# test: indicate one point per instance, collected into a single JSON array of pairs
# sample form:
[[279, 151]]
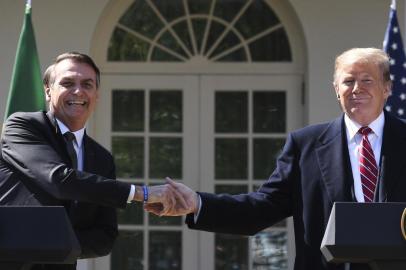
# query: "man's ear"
[[387, 89], [336, 90], [47, 90]]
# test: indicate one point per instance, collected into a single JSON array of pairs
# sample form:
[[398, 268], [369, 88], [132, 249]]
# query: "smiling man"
[[362, 84], [48, 159], [337, 161], [71, 89]]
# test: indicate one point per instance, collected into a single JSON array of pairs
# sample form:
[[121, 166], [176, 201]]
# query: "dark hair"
[[77, 57]]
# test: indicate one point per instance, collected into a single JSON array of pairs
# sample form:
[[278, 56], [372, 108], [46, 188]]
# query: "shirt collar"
[[78, 134], [376, 126]]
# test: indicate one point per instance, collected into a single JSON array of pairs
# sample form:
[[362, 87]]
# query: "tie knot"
[[365, 130], [69, 136]]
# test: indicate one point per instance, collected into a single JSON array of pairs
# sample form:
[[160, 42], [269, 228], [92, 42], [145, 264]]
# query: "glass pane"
[[231, 111], [231, 189], [256, 19], [165, 250], [231, 159], [229, 41], [132, 214], [168, 41], [124, 46], [165, 158], [234, 56], [199, 6], [160, 55], [228, 9], [128, 155], [266, 152], [199, 26], [170, 10], [164, 221], [231, 252], [166, 111], [128, 251], [272, 47], [182, 30], [128, 110], [215, 31], [141, 18], [269, 111], [269, 251]]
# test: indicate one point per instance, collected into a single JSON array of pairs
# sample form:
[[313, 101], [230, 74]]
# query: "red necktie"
[[367, 165]]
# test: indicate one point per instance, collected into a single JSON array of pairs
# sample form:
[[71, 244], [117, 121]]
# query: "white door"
[[214, 133], [244, 122], [149, 124]]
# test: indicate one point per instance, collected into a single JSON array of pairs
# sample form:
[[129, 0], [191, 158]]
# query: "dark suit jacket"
[[35, 169], [312, 172]]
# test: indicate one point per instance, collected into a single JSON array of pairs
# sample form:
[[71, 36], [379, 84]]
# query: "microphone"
[[380, 190]]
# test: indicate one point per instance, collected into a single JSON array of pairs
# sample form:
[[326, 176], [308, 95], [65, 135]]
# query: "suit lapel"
[[392, 155], [52, 121], [60, 144], [333, 159], [88, 155]]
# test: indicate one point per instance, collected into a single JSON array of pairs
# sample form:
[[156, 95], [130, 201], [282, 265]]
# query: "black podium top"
[[364, 232], [37, 234]]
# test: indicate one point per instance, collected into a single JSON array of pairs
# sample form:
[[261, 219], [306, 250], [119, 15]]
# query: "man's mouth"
[[358, 98], [77, 102]]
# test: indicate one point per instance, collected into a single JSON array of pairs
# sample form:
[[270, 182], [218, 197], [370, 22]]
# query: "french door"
[[244, 121], [214, 133], [149, 124]]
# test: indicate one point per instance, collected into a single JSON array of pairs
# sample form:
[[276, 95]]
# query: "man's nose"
[[77, 90], [357, 87]]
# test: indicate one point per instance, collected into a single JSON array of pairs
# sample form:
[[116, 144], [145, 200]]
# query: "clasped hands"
[[171, 199]]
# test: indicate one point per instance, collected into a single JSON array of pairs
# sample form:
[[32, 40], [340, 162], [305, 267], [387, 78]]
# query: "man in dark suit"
[[319, 165], [48, 159]]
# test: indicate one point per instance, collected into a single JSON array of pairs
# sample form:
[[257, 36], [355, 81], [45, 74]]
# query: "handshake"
[[170, 199]]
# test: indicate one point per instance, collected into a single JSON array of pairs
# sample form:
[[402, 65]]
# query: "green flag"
[[26, 90]]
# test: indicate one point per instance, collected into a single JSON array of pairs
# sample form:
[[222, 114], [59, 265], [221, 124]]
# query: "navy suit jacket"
[[312, 172], [35, 169]]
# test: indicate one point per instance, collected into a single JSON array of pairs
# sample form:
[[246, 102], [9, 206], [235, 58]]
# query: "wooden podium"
[[366, 233], [36, 235]]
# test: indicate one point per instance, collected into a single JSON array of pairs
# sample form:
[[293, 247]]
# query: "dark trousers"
[[54, 267], [357, 266]]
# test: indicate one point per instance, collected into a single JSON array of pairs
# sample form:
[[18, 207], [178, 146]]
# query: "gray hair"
[[365, 55]]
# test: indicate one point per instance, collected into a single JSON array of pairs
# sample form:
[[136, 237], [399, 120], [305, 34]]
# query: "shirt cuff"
[[131, 195], [196, 216]]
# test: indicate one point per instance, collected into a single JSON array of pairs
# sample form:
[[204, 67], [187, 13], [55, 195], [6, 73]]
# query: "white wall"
[[330, 27], [59, 26]]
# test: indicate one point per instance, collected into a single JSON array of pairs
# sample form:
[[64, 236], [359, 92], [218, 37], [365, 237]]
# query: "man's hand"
[[164, 198], [185, 201]]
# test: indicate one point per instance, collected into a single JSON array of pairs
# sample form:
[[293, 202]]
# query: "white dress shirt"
[[78, 145], [354, 142]]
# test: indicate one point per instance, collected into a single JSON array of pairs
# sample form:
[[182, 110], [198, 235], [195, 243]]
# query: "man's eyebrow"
[[66, 78], [88, 80]]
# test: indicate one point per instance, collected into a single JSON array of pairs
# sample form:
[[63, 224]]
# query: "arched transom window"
[[212, 30]]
